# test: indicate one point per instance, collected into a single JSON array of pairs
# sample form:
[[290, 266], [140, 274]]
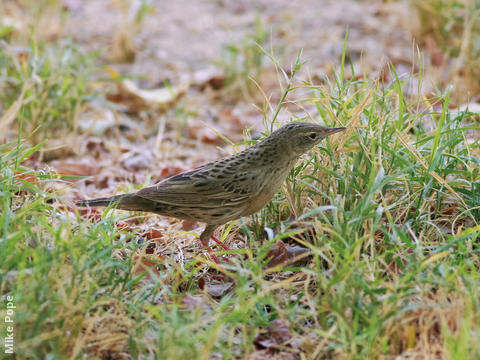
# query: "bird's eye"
[[313, 136]]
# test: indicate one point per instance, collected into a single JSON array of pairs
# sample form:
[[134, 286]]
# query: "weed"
[[453, 27], [392, 217], [53, 85], [245, 59]]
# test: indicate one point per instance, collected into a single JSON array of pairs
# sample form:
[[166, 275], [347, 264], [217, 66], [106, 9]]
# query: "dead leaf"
[[122, 225], [235, 124], [219, 289], [123, 47], [472, 107], [89, 213], [200, 132], [297, 252], [215, 285], [277, 255], [138, 161], [96, 119], [106, 181], [26, 177], [283, 254], [136, 99], [437, 56], [96, 147], [270, 355], [217, 82], [208, 77], [188, 225], [68, 167], [153, 234], [55, 149], [169, 171], [275, 337], [145, 262], [192, 302], [201, 282]]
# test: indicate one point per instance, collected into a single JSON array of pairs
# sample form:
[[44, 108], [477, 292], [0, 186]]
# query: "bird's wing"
[[208, 186]]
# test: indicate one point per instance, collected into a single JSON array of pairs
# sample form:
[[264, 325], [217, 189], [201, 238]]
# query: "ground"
[[369, 251]]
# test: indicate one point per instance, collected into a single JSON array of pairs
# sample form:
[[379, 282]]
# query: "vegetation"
[[389, 212], [43, 87], [452, 30]]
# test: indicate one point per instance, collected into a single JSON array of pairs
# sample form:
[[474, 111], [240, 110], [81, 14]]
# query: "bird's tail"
[[131, 202], [106, 201]]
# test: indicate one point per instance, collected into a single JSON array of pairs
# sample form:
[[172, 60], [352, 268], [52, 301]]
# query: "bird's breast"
[[270, 184]]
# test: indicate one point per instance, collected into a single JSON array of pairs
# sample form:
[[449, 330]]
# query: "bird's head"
[[299, 137]]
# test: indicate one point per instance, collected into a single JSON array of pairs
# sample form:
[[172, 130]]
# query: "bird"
[[229, 188]]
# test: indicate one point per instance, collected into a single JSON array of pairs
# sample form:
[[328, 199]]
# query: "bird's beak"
[[334, 130]]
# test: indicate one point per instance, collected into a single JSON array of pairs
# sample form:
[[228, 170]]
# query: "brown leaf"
[[283, 254], [208, 77], [59, 149], [68, 167], [277, 255], [169, 171], [96, 119], [436, 54], [233, 122], [96, 147], [188, 225], [26, 177], [215, 285], [201, 283], [216, 82], [153, 234], [122, 225], [89, 213], [276, 336], [218, 290], [123, 48], [270, 355], [138, 162], [297, 251], [151, 246], [145, 262], [192, 302], [203, 133], [136, 99]]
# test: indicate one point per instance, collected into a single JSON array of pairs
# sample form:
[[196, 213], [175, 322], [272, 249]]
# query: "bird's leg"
[[208, 234], [225, 247], [204, 237]]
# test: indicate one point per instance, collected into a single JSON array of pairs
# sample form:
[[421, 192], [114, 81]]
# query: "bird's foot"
[[212, 254], [225, 247]]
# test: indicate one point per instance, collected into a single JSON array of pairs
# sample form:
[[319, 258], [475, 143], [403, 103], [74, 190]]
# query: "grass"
[[245, 60], [52, 83], [452, 30], [389, 211]]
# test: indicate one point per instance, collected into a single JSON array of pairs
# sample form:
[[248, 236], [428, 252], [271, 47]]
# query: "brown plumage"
[[227, 189]]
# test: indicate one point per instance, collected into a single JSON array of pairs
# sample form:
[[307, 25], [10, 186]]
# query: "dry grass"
[[451, 31], [389, 212]]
